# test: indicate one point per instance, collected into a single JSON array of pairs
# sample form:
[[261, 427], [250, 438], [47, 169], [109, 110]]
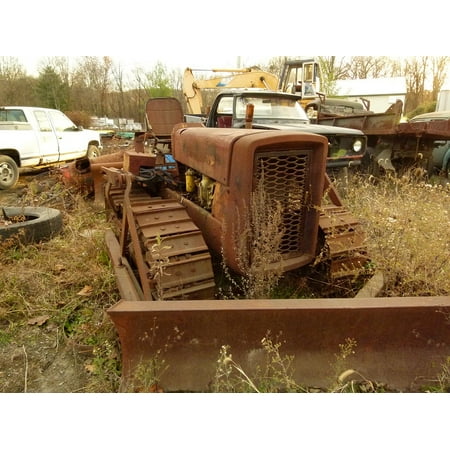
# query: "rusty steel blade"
[[400, 342]]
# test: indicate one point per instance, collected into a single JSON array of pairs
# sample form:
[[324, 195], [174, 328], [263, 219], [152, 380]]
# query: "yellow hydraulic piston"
[[190, 181]]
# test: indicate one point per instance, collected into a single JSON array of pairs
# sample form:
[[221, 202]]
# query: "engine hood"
[[311, 128]]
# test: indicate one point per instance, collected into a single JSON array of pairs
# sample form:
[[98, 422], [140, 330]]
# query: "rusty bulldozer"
[[179, 215]]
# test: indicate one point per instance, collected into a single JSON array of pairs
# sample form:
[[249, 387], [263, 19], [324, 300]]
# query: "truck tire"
[[35, 224], [93, 151], [9, 172], [446, 171]]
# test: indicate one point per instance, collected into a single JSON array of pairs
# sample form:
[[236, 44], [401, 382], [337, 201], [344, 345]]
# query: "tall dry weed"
[[257, 245], [408, 231], [64, 284]]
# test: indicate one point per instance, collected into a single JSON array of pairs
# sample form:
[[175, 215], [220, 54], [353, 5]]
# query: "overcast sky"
[[180, 33], [202, 35]]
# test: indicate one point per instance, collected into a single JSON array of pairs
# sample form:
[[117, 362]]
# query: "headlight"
[[357, 145]]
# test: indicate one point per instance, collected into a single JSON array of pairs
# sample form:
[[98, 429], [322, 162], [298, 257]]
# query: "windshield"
[[271, 108], [62, 122]]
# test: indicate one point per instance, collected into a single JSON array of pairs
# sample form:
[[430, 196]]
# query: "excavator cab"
[[300, 77]]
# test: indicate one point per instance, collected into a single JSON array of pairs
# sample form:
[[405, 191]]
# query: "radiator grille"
[[285, 178]]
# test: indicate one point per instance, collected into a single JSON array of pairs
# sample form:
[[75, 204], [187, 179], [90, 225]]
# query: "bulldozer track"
[[177, 262], [344, 242]]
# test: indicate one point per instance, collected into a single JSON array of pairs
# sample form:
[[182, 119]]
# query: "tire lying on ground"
[[30, 224]]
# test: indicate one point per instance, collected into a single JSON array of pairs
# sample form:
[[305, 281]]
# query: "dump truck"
[[184, 221], [396, 146]]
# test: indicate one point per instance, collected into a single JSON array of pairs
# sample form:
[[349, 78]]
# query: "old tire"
[[93, 152], [40, 223], [9, 172]]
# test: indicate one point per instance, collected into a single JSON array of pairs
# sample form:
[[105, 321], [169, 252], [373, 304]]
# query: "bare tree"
[[415, 72], [94, 74], [439, 66], [118, 105], [139, 95], [16, 87], [275, 65], [10, 68], [369, 67], [332, 68]]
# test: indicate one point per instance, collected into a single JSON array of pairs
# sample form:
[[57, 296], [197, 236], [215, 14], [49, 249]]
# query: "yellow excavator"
[[229, 78]]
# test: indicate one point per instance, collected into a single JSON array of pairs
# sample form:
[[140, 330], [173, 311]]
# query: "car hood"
[[428, 117], [311, 128]]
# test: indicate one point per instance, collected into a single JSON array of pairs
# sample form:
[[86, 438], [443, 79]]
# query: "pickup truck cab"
[[283, 111], [36, 137]]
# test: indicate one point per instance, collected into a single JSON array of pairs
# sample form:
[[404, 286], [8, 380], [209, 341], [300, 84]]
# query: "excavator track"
[[345, 247], [167, 248]]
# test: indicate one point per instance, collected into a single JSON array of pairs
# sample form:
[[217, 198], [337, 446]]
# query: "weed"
[[407, 237], [444, 377], [257, 247], [230, 377], [69, 279], [277, 373], [158, 267], [148, 374], [275, 376], [345, 351]]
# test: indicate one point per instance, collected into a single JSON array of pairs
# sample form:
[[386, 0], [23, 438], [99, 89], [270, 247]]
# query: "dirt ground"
[[39, 359]]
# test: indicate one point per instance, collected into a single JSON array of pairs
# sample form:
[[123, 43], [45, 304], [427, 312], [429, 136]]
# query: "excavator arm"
[[230, 78]]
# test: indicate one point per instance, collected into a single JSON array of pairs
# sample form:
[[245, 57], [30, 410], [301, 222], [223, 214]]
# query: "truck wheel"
[[93, 152], [9, 172], [29, 223], [446, 171]]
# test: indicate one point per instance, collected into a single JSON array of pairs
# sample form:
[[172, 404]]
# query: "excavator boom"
[[230, 78]]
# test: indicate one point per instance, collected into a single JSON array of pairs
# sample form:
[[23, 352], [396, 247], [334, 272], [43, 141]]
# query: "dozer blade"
[[400, 342]]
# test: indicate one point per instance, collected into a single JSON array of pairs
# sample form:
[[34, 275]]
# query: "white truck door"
[[48, 142], [72, 141]]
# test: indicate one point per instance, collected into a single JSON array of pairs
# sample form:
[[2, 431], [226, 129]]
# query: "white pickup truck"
[[36, 137]]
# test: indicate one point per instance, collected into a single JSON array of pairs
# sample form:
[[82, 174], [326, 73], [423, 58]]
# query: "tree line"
[[98, 85]]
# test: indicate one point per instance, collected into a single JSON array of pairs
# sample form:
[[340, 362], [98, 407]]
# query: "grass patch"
[[69, 280], [408, 236]]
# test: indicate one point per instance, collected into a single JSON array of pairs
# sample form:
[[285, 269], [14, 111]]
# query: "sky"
[[210, 34]]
